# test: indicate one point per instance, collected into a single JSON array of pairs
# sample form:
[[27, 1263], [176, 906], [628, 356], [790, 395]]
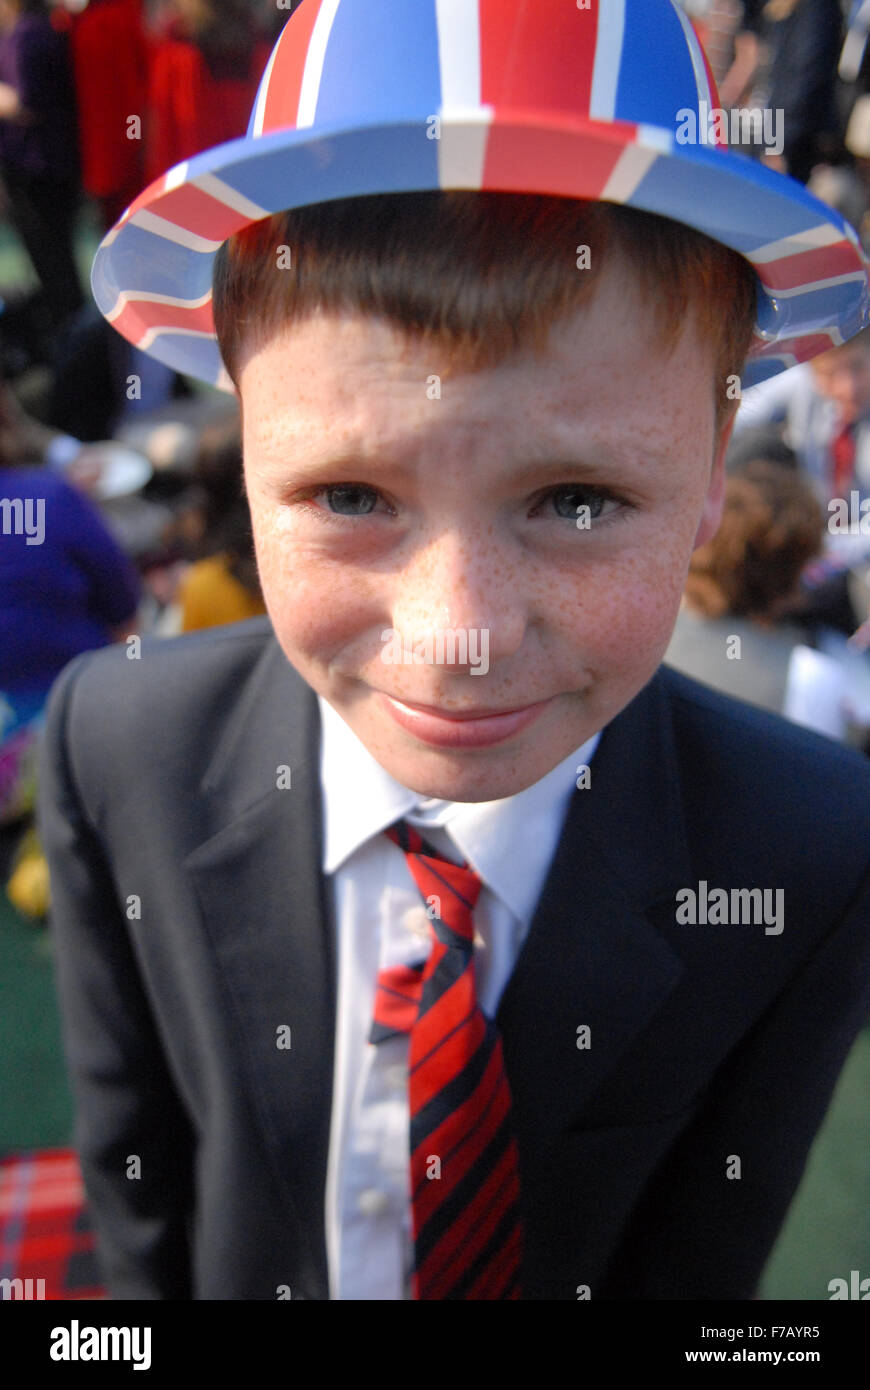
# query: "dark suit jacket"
[[158, 784]]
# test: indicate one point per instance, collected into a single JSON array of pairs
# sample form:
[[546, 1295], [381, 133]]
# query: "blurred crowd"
[[98, 97]]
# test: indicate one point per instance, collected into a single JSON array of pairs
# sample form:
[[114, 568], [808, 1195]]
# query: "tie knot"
[[449, 890]]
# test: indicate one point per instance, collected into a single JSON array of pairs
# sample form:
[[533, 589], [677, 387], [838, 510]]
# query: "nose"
[[460, 599]]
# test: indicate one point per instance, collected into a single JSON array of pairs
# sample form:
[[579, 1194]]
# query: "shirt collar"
[[509, 842]]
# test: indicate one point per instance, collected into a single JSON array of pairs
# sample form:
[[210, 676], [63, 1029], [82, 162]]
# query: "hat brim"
[[152, 274]]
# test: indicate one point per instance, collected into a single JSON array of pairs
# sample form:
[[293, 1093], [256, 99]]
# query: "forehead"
[[605, 374]]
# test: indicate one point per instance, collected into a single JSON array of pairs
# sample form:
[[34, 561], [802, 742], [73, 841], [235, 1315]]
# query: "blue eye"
[[568, 499], [351, 499]]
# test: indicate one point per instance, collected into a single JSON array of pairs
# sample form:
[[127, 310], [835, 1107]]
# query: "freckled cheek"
[[619, 617], [316, 607]]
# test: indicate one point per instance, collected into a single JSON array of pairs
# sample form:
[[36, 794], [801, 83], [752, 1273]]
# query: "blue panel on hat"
[[336, 166], [701, 190], [380, 60], [647, 94], [169, 267]]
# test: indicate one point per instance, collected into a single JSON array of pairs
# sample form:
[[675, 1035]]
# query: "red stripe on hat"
[[285, 79], [139, 316], [193, 210], [147, 197], [516, 69], [822, 263], [514, 156], [799, 348]]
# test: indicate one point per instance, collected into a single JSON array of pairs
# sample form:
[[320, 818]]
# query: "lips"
[[477, 728], [476, 713]]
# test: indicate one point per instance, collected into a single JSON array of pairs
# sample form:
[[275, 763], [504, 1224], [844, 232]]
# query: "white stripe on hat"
[[608, 56], [309, 90], [263, 93], [821, 235], [160, 226], [174, 177], [702, 82], [631, 166], [458, 25], [230, 197], [462, 146], [144, 297], [158, 332], [774, 292]]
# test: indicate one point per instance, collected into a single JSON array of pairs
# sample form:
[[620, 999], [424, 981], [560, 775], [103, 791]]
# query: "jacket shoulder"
[[163, 705], [790, 784]]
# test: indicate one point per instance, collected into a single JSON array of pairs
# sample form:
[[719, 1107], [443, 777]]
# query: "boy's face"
[[418, 550], [843, 375]]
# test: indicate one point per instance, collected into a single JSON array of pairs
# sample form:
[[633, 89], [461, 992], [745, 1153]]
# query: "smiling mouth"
[[463, 715]]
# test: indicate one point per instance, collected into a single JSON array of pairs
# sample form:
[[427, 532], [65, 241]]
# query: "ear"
[[711, 514]]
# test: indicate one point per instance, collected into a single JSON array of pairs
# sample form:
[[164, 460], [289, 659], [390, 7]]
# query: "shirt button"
[[373, 1202], [397, 1078], [415, 920]]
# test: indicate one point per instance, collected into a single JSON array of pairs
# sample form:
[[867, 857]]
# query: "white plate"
[[123, 470]]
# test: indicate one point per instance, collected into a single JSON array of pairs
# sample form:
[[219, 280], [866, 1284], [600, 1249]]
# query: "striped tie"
[[464, 1161]]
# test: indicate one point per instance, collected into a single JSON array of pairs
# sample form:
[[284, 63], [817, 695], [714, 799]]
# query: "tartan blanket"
[[45, 1230]]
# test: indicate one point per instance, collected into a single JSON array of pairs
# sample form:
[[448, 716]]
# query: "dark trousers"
[[42, 210]]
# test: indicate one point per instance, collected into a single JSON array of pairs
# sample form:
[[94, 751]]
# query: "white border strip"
[[813, 239], [458, 25], [223, 193], [150, 222], [309, 89], [462, 146], [702, 82], [262, 94], [143, 297], [633, 164], [608, 57]]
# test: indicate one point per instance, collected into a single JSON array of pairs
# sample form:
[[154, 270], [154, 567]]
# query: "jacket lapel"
[[593, 956], [264, 907]]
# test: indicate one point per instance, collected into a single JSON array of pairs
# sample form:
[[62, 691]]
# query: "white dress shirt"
[[381, 920]]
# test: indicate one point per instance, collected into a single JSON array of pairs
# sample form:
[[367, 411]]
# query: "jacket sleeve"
[[126, 1107], [700, 1233]]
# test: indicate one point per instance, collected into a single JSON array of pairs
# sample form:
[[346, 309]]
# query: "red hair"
[[479, 273]]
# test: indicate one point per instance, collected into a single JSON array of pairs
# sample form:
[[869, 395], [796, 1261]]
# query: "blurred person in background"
[[786, 55], [206, 64], [743, 583], [110, 67], [222, 585], [39, 159], [65, 587], [823, 410]]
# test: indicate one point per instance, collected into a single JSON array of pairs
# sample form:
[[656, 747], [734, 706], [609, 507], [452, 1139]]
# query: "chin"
[[467, 776]]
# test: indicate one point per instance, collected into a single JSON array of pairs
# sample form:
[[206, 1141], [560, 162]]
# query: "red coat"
[[188, 109], [110, 68]]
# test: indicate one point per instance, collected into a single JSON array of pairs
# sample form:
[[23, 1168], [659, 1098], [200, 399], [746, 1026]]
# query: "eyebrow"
[[537, 464]]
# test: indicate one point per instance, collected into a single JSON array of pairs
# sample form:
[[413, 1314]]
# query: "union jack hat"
[[588, 99]]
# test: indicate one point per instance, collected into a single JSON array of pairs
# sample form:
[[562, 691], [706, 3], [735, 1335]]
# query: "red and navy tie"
[[464, 1161]]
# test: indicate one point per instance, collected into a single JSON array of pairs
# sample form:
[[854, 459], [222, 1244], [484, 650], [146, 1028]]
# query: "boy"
[[425, 939]]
